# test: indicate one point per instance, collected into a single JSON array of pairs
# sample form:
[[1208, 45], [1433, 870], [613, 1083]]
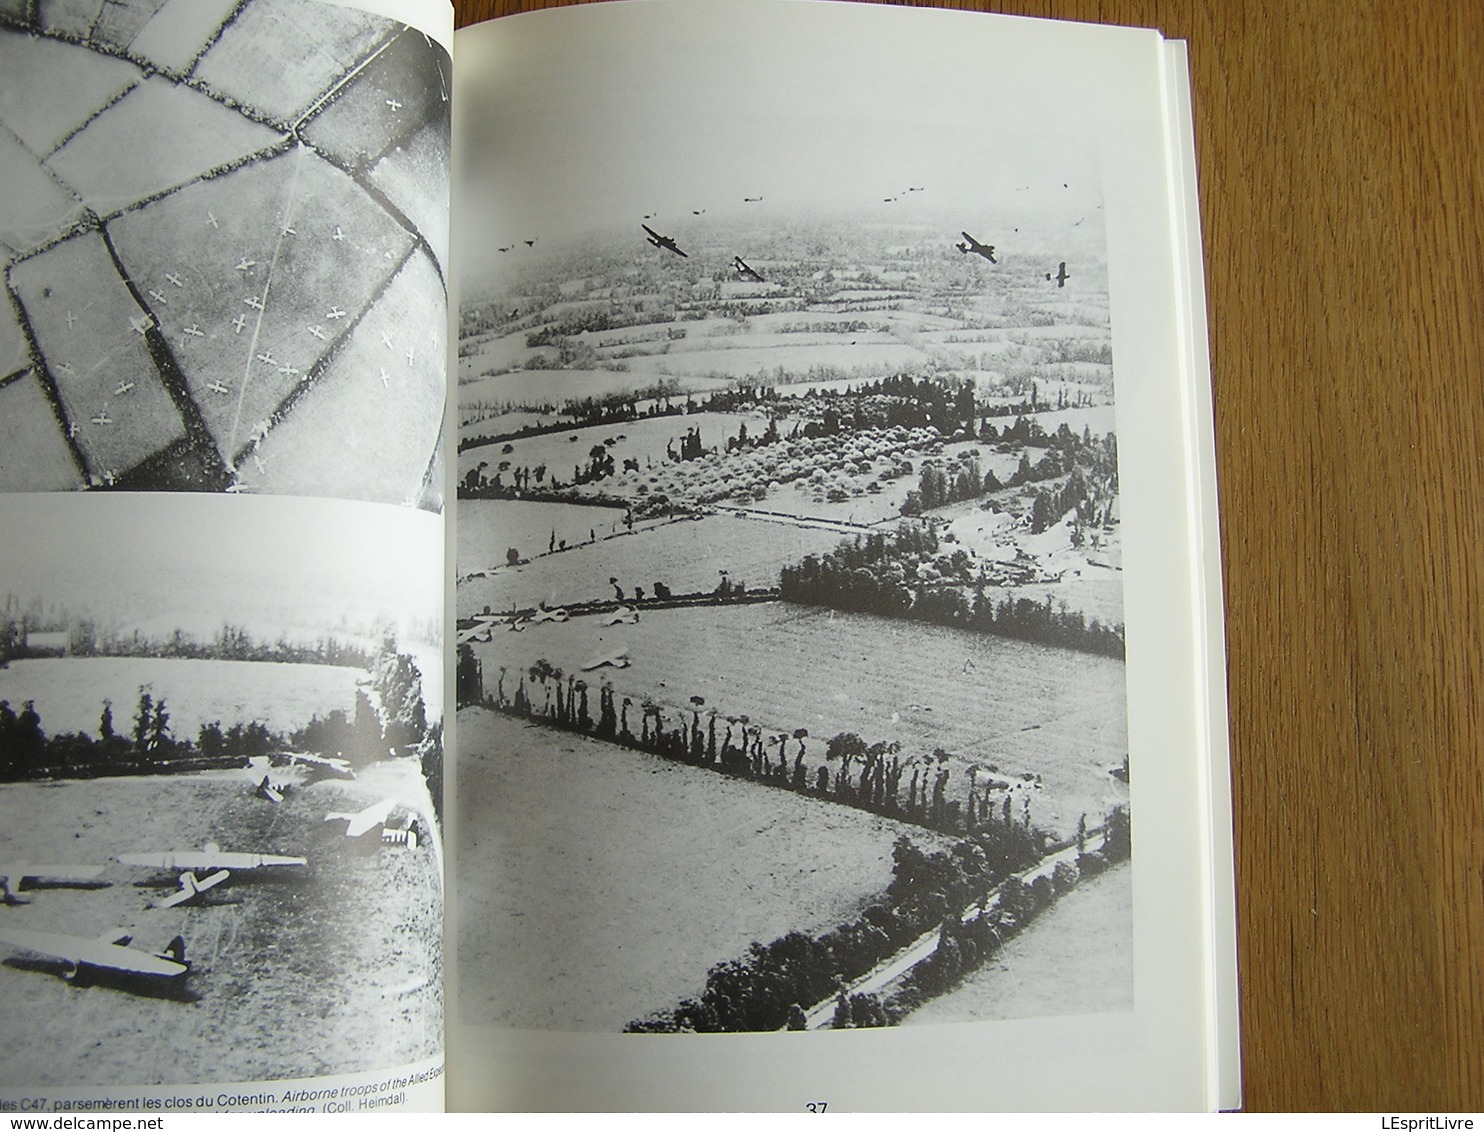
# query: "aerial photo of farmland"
[[223, 235], [221, 778], [791, 673]]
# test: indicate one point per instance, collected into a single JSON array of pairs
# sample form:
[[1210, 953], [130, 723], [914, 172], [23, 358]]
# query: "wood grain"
[[1341, 150]]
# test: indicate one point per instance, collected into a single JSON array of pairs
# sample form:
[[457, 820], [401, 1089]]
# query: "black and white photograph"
[[221, 765], [223, 237], [791, 653]]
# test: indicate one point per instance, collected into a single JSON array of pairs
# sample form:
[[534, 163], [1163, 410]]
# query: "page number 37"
[[817, 1106]]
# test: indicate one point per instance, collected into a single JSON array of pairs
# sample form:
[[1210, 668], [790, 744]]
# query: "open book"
[[726, 614]]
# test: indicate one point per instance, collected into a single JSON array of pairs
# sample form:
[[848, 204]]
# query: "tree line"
[[909, 575], [874, 777], [146, 743], [770, 986], [85, 638]]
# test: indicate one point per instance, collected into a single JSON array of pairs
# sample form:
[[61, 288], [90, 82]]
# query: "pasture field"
[[305, 48], [596, 884], [297, 278], [94, 352], [32, 459], [689, 556], [644, 440], [381, 395], [740, 359], [64, 88], [100, 161], [1023, 707], [489, 527], [69, 691], [337, 970], [538, 388], [1075, 958]]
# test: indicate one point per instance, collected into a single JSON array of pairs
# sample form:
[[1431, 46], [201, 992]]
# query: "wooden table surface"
[[1341, 150]]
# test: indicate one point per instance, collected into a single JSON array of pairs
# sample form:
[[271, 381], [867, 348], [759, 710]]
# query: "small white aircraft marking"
[[159, 298], [195, 331], [394, 104], [288, 370], [335, 312], [339, 235], [260, 464], [211, 219], [71, 320], [267, 358], [65, 367], [239, 322], [386, 341], [409, 355], [122, 388], [254, 302], [142, 324], [385, 380], [103, 418], [317, 331], [555, 616], [285, 230], [244, 264], [217, 387], [171, 277], [72, 430]]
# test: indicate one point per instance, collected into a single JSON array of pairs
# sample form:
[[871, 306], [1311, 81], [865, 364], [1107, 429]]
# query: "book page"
[[828, 736], [224, 241]]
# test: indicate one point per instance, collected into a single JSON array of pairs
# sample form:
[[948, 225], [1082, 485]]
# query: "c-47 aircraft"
[[743, 271], [666, 242], [973, 245], [1061, 275], [14, 878], [109, 955]]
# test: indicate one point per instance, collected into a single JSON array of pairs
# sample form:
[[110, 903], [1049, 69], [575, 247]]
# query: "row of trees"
[[905, 575], [770, 986], [147, 744], [144, 744], [867, 776]]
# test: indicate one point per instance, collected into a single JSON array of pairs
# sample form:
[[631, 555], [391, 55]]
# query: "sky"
[[579, 124], [195, 561]]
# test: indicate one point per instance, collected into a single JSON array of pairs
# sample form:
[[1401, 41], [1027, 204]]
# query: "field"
[[31, 459], [490, 527], [643, 440], [239, 250], [337, 971], [69, 692], [590, 913], [1076, 958], [689, 556], [1026, 708]]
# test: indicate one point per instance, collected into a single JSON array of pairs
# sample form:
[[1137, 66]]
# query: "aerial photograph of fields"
[[221, 779], [791, 673], [223, 237]]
